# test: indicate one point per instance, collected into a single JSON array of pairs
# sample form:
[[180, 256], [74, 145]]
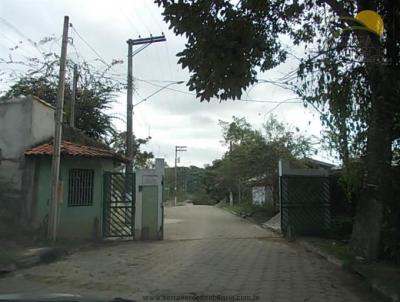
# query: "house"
[[27, 126], [81, 180], [262, 191], [264, 188], [24, 122], [97, 199]]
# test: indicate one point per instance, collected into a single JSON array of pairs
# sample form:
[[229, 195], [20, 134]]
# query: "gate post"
[[304, 200], [149, 204]]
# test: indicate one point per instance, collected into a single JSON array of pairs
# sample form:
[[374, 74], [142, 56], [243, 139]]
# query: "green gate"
[[119, 205], [305, 206]]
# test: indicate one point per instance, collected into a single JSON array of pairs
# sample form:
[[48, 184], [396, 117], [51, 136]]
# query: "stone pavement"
[[207, 251]]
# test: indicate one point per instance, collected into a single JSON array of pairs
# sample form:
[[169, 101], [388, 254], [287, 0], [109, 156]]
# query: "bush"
[[201, 198], [391, 243], [341, 227]]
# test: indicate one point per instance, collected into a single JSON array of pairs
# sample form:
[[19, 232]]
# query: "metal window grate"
[[80, 187]]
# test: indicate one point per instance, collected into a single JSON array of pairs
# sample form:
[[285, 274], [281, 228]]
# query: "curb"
[[313, 249], [275, 230], [34, 257], [390, 296]]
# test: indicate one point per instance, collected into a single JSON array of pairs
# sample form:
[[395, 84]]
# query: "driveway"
[[206, 252]]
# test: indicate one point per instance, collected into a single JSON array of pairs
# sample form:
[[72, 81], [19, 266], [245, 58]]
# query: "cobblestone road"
[[207, 251]]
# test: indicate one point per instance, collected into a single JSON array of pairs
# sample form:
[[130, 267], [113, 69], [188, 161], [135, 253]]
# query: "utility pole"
[[177, 149], [55, 164], [73, 96], [230, 175], [129, 112], [129, 104]]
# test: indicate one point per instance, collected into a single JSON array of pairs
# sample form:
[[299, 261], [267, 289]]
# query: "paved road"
[[206, 251]]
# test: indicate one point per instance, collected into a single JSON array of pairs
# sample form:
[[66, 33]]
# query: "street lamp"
[[129, 132]]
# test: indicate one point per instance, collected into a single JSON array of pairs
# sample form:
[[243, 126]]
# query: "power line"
[[18, 32], [287, 101], [90, 47], [126, 17]]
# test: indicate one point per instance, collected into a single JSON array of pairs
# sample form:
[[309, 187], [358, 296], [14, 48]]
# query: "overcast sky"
[[169, 117]]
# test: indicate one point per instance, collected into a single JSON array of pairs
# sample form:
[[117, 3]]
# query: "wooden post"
[[55, 164], [73, 96]]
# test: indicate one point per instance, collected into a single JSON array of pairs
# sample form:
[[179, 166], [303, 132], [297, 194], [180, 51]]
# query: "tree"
[[93, 98], [254, 154], [140, 158], [227, 44], [96, 91]]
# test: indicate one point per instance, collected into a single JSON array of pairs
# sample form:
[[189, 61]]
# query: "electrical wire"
[[18, 32], [126, 17], [90, 46], [287, 101]]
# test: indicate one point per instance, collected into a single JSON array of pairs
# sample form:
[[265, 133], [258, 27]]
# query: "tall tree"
[[140, 158], [96, 91], [256, 153], [228, 43]]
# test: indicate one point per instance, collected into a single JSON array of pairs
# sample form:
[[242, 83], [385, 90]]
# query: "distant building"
[[264, 188]]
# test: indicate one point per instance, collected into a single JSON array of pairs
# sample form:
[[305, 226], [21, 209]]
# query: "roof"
[[319, 163], [43, 102], [78, 150]]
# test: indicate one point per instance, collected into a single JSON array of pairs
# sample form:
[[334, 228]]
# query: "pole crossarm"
[[145, 42], [148, 40]]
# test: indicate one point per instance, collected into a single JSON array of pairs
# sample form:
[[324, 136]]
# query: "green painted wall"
[[79, 221], [150, 212]]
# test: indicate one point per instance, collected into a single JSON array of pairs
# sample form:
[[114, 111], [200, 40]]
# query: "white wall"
[[148, 177], [42, 128], [24, 122]]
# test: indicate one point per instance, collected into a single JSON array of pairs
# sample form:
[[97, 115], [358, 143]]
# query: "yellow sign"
[[370, 21]]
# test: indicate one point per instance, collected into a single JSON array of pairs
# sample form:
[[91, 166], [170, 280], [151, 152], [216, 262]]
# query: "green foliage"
[[341, 227], [140, 158], [253, 154], [258, 213], [391, 242], [201, 198], [224, 46], [95, 93], [351, 76], [391, 231], [335, 248], [94, 96], [352, 178], [92, 102]]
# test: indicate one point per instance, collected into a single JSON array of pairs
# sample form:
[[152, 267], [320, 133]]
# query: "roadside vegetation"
[[350, 76]]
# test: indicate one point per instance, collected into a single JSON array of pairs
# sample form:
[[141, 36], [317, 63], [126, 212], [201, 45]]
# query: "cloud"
[[170, 117]]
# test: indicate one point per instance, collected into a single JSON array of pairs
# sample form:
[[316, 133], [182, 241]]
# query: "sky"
[[172, 116]]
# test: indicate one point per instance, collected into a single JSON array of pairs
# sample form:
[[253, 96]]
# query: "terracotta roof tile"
[[72, 149]]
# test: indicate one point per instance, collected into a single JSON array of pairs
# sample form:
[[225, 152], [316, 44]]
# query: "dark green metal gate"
[[305, 206], [119, 205]]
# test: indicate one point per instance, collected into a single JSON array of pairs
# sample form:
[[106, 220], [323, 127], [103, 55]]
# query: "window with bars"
[[80, 187]]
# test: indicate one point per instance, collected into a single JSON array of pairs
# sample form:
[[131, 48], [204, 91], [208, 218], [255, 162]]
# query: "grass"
[[259, 214], [386, 276], [335, 248]]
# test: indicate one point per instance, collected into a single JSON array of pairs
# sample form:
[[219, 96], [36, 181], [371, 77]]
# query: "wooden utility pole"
[[129, 103], [73, 96], [230, 175], [176, 177], [55, 164], [177, 149], [129, 112]]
